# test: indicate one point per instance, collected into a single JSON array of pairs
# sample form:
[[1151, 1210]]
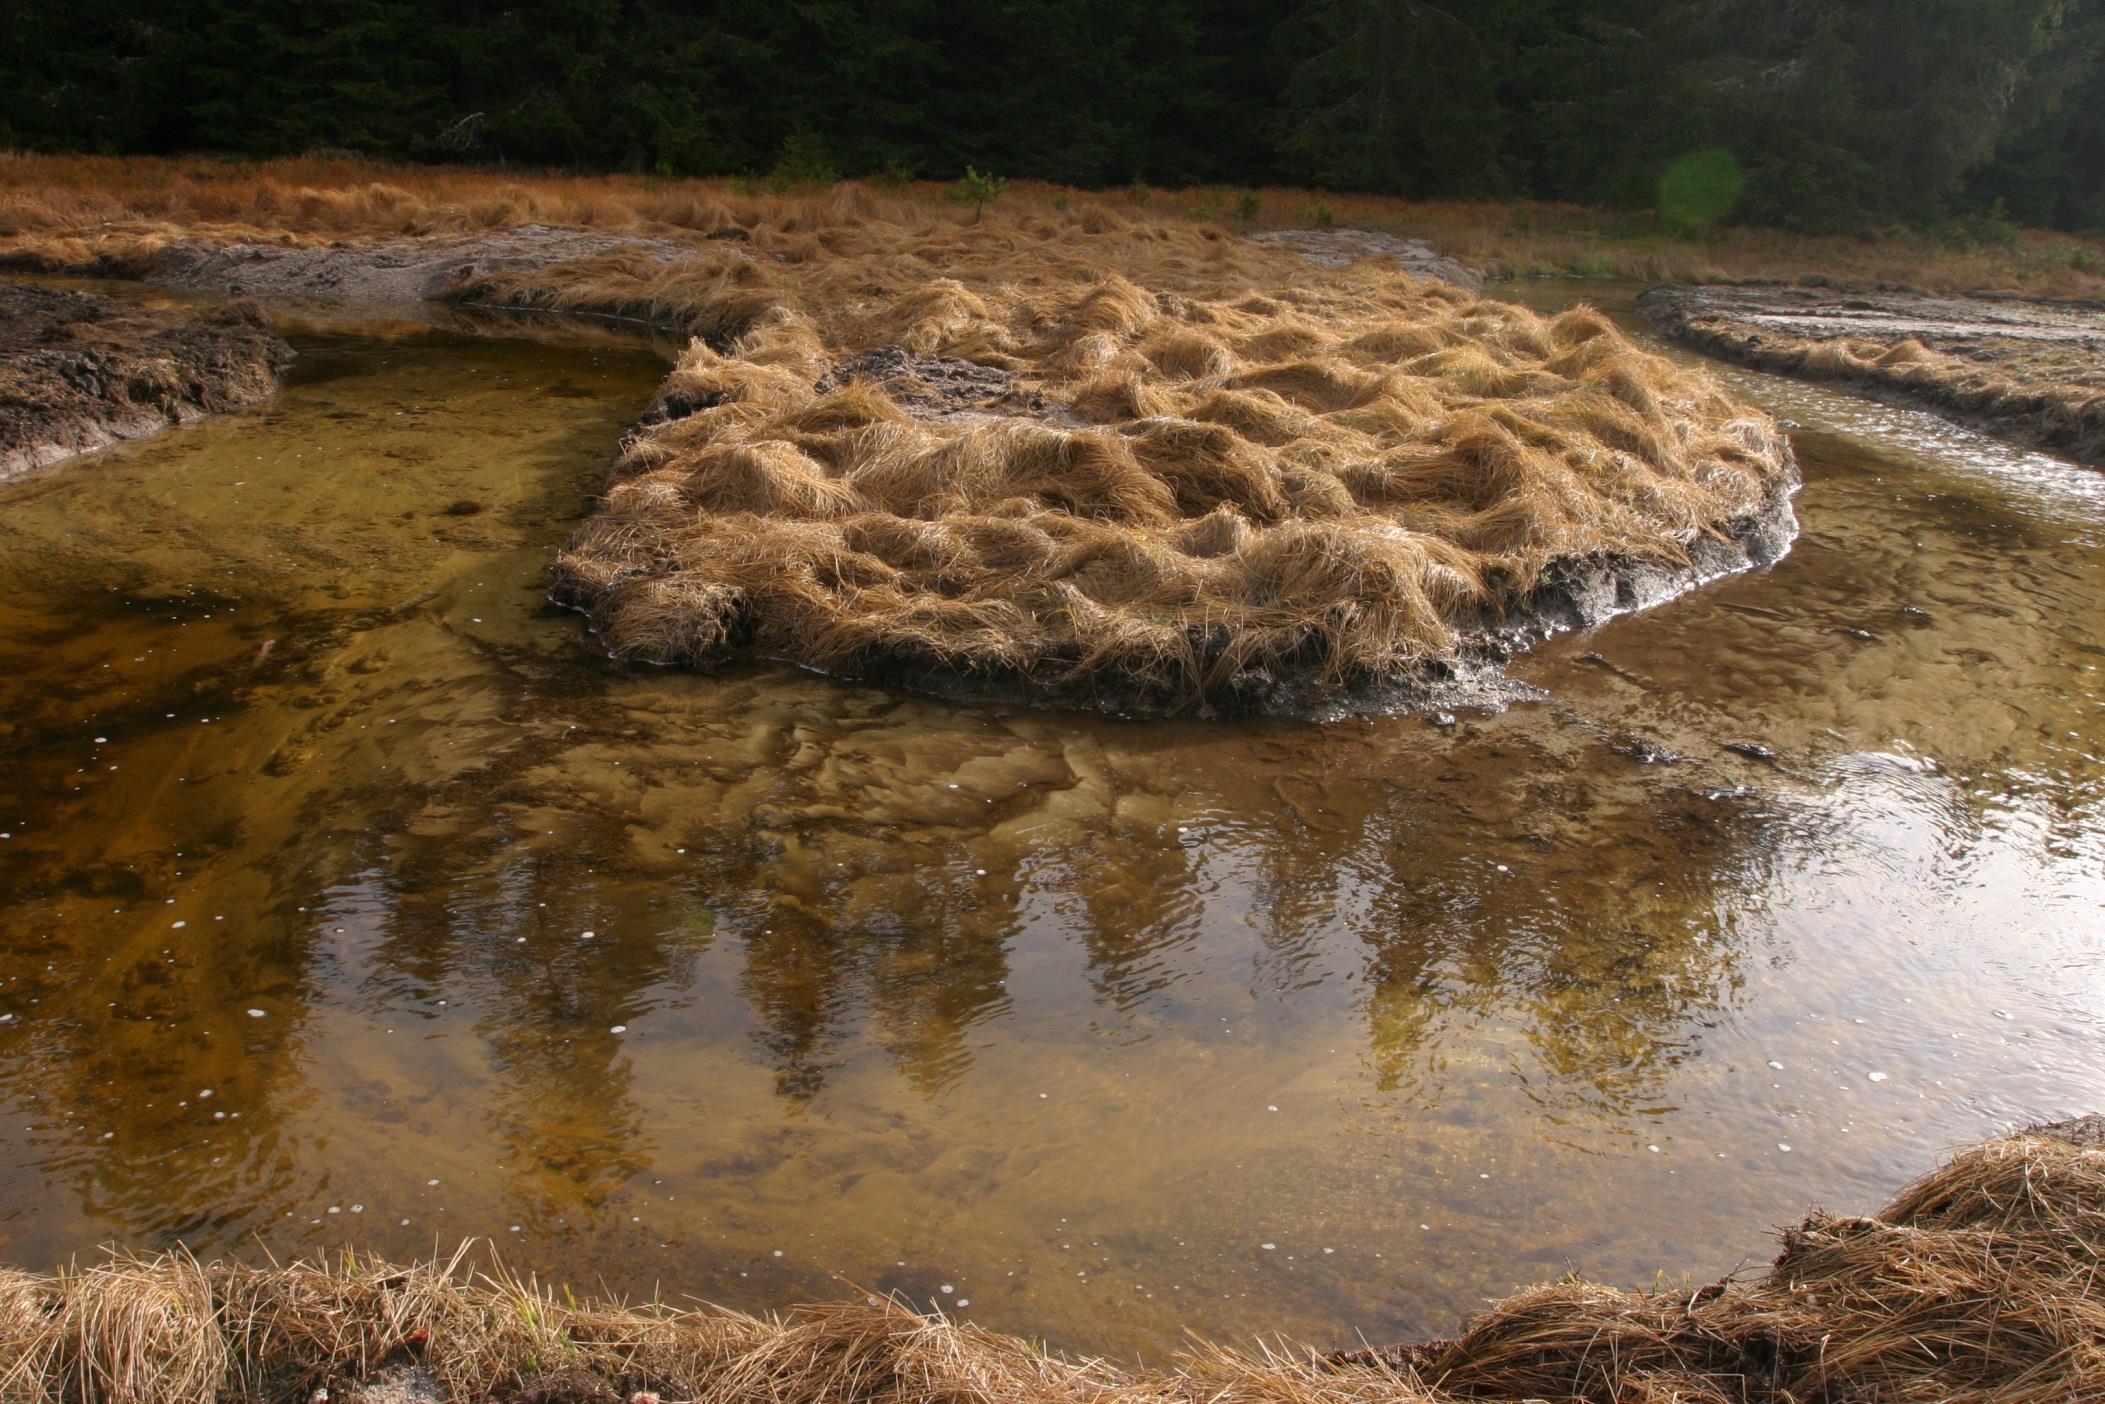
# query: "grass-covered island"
[[1145, 466]]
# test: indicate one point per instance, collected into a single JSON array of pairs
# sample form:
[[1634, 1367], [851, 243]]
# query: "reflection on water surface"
[[350, 897]]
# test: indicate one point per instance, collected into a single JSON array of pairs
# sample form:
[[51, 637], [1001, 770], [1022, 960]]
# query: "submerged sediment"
[[2031, 371], [79, 373], [1979, 1281]]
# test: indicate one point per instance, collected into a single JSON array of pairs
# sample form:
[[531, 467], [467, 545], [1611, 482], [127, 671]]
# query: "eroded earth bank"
[[79, 372]]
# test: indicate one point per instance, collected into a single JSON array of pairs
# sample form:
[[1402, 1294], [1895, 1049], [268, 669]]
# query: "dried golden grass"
[[1524, 239], [1230, 482], [111, 203], [1978, 1284], [116, 213]]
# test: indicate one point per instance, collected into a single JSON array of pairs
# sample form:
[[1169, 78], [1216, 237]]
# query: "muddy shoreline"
[[2026, 370], [1339, 248], [439, 267], [433, 269], [79, 373]]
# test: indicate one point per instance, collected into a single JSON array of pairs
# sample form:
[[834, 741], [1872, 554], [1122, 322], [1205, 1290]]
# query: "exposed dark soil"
[[79, 373], [2025, 370], [1585, 592], [2079, 1131], [937, 387]]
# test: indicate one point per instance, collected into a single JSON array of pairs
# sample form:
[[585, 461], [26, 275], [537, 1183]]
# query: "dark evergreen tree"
[[1400, 95], [1823, 114]]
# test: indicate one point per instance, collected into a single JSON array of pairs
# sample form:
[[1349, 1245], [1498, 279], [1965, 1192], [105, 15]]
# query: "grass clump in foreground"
[[1979, 1283]]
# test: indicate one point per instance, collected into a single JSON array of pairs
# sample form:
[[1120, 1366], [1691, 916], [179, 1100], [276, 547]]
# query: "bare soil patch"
[[935, 387], [2029, 370], [79, 373], [430, 268], [2077, 1131], [1340, 248]]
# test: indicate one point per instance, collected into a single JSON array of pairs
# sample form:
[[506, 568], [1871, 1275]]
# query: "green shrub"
[[1980, 229], [1812, 190], [978, 189]]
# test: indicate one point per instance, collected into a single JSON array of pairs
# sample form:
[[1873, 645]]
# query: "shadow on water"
[[351, 896]]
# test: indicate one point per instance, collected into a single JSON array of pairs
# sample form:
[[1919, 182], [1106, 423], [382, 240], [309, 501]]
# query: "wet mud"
[[79, 372], [431, 268]]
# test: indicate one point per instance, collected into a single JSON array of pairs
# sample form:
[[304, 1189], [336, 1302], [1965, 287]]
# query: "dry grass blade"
[[138, 1331]]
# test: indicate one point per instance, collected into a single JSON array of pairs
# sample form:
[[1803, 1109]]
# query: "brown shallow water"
[[347, 896]]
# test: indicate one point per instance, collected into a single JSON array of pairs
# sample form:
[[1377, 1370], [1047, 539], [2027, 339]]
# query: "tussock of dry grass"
[[1979, 1283], [1239, 480]]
